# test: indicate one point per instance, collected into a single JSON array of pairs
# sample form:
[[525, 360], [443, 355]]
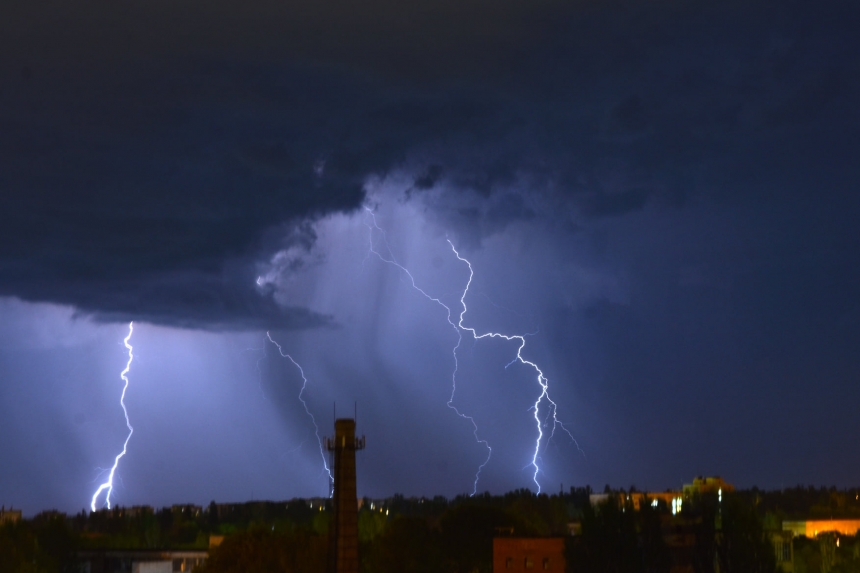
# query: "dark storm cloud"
[[197, 301], [146, 145]]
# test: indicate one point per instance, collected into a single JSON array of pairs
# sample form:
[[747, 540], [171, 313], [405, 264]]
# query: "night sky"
[[662, 195]]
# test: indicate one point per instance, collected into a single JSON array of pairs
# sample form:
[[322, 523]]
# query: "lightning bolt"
[[392, 261], [307, 410], [108, 485], [459, 326], [552, 410]]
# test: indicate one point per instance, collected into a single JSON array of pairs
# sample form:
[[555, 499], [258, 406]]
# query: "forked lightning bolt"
[[302, 391], [392, 261], [541, 379], [108, 485], [459, 326]]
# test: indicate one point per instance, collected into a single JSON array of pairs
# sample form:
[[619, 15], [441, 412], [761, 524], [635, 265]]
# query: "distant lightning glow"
[[307, 410], [392, 261], [459, 326], [108, 485]]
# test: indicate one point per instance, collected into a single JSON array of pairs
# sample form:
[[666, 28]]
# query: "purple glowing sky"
[[663, 195]]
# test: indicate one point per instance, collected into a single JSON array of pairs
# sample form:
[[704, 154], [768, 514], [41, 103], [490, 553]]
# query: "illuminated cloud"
[[150, 148]]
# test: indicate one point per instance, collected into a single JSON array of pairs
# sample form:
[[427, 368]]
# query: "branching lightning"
[[307, 410], [541, 379], [392, 261], [108, 485], [459, 327]]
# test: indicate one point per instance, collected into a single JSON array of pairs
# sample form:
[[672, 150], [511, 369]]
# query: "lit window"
[[529, 563]]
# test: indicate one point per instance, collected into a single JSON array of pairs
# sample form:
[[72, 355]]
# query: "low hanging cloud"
[[148, 150]]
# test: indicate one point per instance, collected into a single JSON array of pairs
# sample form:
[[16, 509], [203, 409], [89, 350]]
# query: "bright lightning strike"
[[304, 385], [541, 379], [108, 485], [543, 397], [392, 261]]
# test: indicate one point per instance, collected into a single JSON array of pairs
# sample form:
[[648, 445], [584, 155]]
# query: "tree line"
[[454, 536]]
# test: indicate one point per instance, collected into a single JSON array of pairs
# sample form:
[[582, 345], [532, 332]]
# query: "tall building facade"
[[343, 553]]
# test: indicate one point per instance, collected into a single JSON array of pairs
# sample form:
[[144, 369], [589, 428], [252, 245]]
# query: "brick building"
[[515, 554]]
